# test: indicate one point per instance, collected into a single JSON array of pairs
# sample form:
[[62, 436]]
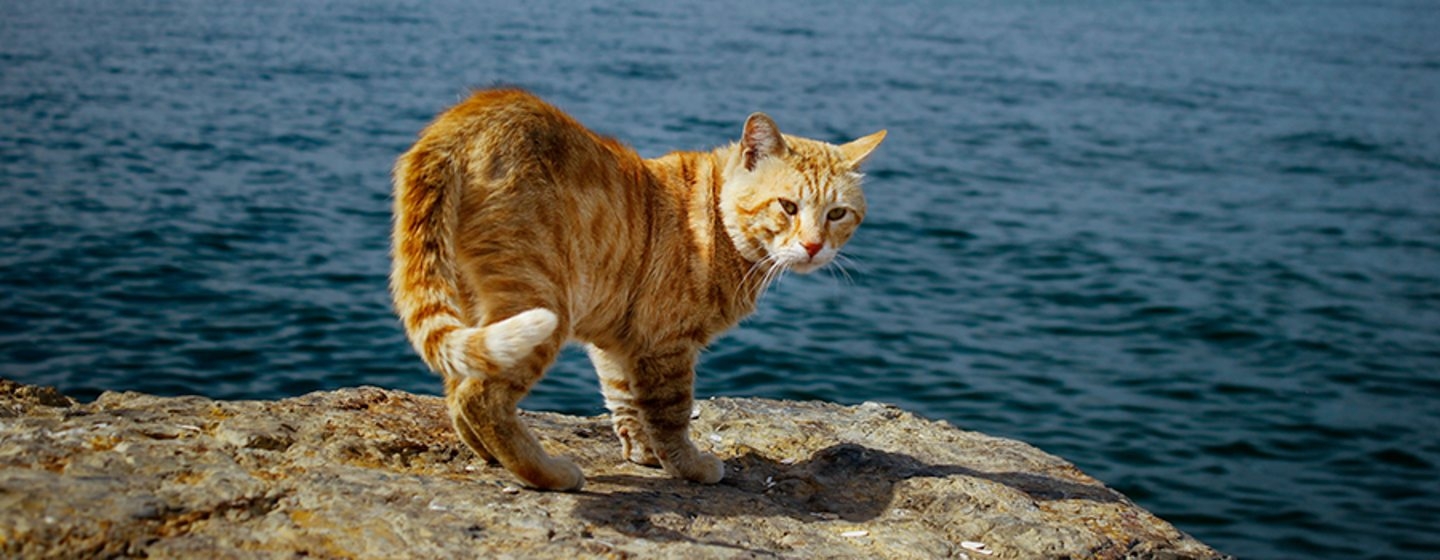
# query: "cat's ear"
[[857, 150], [761, 140]]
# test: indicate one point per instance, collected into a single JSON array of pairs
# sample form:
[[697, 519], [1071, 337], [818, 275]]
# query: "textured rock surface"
[[371, 473]]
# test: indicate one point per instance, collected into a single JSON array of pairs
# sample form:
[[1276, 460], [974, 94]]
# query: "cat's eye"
[[836, 214], [789, 206]]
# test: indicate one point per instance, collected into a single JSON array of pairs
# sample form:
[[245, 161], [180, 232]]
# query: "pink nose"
[[813, 248]]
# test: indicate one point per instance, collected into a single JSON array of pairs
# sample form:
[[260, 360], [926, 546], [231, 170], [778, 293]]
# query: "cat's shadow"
[[845, 481]]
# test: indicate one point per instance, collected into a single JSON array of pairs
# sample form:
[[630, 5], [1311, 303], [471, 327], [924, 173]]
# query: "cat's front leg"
[[663, 385], [615, 372]]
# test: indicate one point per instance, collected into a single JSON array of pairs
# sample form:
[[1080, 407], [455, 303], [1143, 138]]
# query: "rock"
[[372, 473]]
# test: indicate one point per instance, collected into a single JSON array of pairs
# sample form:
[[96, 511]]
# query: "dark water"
[[1191, 247]]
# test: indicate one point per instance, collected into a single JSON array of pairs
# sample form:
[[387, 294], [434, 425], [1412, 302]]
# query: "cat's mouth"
[[805, 264]]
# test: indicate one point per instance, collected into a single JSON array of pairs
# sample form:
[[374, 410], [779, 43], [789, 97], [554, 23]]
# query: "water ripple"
[[1191, 249]]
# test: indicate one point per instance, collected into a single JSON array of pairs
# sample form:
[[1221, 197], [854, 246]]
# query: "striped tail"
[[425, 284]]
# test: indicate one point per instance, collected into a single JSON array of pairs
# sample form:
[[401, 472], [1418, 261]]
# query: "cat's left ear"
[[857, 150]]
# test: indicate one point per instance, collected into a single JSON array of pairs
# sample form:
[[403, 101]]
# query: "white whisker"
[[765, 280], [759, 288], [752, 270], [852, 262], [840, 275], [835, 285], [772, 275], [840, 261]]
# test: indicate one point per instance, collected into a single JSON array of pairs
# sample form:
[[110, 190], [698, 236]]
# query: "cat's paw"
[[701, 467], [558, 474]]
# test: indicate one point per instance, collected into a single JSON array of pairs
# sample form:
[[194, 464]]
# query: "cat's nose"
[[813, 248]]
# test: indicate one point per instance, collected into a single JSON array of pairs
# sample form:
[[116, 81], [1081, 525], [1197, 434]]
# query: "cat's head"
[[792, 200]]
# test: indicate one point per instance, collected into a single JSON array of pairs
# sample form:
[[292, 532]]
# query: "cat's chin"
[[807, 267]]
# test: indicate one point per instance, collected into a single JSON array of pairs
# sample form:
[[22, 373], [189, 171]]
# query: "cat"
[[516, 229]]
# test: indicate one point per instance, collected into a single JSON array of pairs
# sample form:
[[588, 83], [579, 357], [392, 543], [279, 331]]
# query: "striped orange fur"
[[517, 229]]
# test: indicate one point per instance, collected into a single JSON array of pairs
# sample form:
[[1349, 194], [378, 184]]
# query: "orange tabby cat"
[[517, 229]]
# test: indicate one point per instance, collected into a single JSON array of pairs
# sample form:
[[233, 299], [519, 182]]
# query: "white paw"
[[510, 340], [703, 468], [709, 469]]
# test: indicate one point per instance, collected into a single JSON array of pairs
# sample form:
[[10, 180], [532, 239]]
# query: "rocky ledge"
[[373, 473]]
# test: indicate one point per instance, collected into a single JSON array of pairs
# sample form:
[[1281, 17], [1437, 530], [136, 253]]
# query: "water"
[[1191, 247]]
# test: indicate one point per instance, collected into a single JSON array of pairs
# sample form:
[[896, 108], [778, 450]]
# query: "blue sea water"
[[1193, 247]]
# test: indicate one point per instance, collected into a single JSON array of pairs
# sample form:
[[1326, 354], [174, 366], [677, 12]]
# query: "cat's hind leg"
[[484, 406], [467, 432], [614, 373]]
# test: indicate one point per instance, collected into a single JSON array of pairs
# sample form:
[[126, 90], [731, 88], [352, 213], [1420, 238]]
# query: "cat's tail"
[[424, 282]]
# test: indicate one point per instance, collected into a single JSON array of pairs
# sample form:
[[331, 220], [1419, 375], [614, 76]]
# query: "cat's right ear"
[[761, 140]]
